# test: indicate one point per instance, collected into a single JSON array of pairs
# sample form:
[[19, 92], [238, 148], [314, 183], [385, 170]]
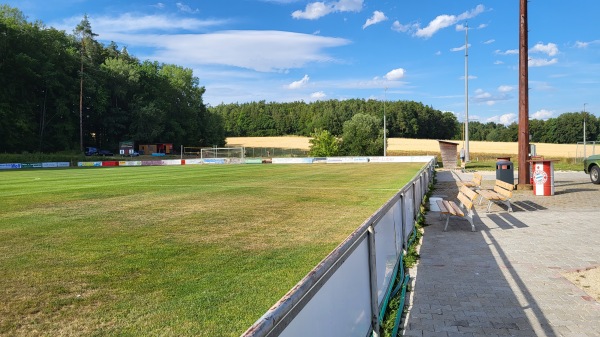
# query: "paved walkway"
[[506, 278]]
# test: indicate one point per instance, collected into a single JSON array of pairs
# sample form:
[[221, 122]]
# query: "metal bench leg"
[[489, 206], [507, 203], [470, 218], [447, 220]]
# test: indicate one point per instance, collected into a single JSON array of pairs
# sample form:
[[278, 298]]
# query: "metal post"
[[384, 125], [467, 159], [373, 279], [81, 107], [584, 153], [523, 99]]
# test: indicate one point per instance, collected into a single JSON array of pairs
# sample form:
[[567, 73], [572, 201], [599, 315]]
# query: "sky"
[[298, 50]]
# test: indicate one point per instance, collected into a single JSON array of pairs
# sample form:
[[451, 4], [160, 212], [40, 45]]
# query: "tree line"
[[407, 119], [404, 119], [60, 92]]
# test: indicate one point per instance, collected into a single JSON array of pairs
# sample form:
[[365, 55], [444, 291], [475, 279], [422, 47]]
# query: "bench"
[[475, 183], [466, 197], [502, 192]]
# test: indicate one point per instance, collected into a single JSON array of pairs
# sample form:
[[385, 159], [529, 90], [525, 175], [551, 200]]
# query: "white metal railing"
[[344, 293]]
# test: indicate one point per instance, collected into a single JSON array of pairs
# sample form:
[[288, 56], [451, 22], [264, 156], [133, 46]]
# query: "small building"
[[126, 148], [147, 149], [448, 150], [164, 148]]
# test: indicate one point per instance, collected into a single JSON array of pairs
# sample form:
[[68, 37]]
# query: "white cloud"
[[395, 74], [542, 114], [583, 45], [444, 21], [397, 26], [376, 18], [460, 48], [264, 51], [508, 52], [487, 98], [318, 95], [506, 88], [159, 5], [348, 5], [498, 62], [490, 41], [462, 28], [316, 10], [440, 22], [299, 84], [550, 49], [313, 11], [185, 8], [505, 119], [129, 23], [542, 62]]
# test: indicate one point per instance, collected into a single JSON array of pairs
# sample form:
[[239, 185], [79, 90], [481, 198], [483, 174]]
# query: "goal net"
[[230, 155]]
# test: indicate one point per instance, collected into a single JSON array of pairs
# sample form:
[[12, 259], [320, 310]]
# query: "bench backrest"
[[467, 197], [504, 188], [477, 177]]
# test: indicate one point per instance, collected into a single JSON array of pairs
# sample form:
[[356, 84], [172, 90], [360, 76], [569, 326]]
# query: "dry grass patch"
[[587, 280], [407, 145]]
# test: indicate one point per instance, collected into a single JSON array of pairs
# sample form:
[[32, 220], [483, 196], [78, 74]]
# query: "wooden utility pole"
[[524, 175]]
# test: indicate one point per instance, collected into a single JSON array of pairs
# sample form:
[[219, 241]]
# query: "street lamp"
[[384, 124], [466, 144], [584, 155]]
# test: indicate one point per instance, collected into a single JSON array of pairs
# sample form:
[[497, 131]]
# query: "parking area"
[[508, 277]]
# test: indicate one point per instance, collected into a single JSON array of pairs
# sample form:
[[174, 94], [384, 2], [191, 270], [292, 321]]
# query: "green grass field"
[[171, 251]]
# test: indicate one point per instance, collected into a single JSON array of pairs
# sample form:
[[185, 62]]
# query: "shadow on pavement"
[[464, 283]]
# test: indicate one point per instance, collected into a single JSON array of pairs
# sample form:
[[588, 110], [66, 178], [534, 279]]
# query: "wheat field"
[[427, 145]]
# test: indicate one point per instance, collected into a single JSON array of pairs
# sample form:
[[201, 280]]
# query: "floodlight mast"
[[466, 146], [584, 153], [384, 124]]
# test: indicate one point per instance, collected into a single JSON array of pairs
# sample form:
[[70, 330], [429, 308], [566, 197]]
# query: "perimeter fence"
[[347, 293]]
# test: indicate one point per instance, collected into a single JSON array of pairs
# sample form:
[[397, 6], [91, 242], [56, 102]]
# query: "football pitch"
[[172, 251]]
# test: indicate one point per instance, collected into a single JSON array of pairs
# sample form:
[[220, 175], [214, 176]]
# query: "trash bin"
[[433, 204], [543, 177], [505, 171]]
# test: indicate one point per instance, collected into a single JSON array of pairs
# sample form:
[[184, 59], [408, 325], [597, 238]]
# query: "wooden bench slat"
[[466, 196], [476, 182], [449, 207], [457, 210], [488, 194], [441, 206], [502, 192], [465, 201]]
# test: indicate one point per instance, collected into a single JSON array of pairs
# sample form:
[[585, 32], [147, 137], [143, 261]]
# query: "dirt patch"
[[406, 144], [587, 280]]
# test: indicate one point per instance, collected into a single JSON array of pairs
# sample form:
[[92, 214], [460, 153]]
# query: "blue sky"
[[289, 50]]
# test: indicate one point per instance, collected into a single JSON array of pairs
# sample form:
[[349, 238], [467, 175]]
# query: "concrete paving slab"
[[506, 279]]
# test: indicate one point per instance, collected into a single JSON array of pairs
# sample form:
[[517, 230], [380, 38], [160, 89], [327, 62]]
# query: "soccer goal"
[[230, 154]]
